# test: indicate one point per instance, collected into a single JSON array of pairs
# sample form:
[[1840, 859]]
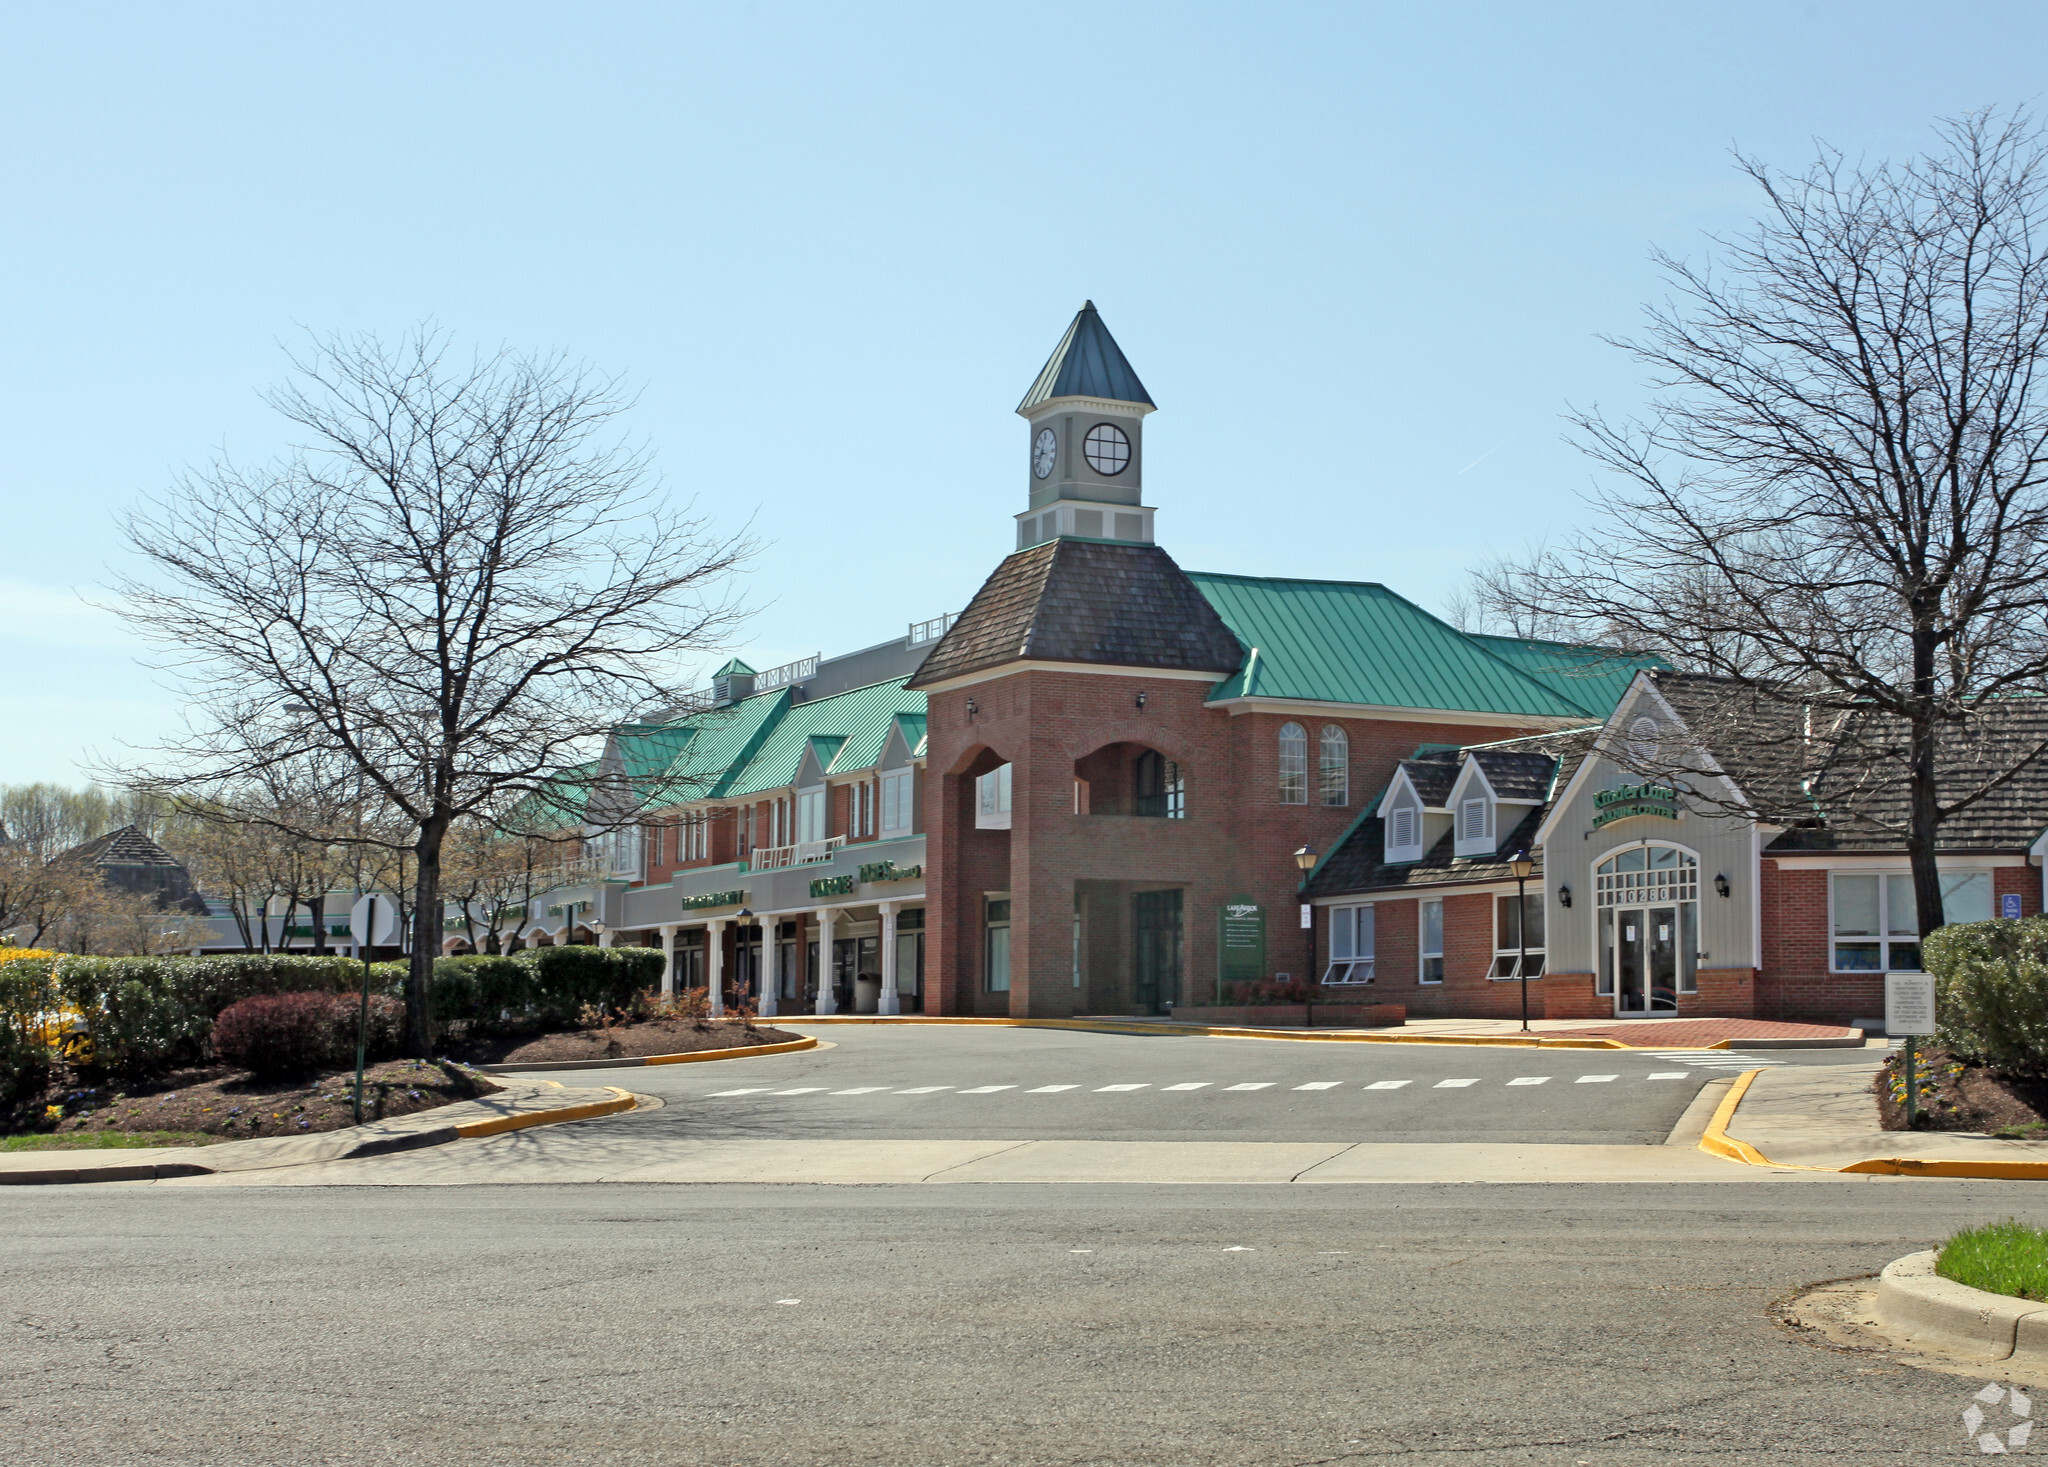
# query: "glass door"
[[1156, 972], [1643, 956]]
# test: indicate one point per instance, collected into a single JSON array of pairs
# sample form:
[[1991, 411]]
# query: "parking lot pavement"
[[964, 1083]]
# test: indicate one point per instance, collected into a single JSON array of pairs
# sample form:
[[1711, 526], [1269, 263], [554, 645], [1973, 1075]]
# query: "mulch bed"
[[623, 1041], [226, 1104], [1959, 1097]]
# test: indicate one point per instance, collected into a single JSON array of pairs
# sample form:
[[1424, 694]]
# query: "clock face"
[[1043, 450]]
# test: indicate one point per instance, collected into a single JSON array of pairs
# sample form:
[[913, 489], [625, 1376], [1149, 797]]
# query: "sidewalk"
[[1825, 1117], [1702, 1033], [518, 1105]]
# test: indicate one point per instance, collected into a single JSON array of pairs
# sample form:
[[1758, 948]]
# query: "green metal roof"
[[860, 717], [1358, 642], [1593, 677]]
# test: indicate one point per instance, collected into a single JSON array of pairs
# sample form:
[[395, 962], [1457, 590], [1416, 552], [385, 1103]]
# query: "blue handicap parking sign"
[[2009, 904]]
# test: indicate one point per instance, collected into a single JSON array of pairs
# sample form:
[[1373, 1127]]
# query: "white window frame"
[[1481, 844], [813, 814], [1292, 743], [1353, 938], [1333, 772], [1896, 886], [992, 792], [898, 802], [1403, 851], [1507, 956], [1424, 957]]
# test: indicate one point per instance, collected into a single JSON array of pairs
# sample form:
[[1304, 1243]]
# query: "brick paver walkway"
[[1687, 1033]]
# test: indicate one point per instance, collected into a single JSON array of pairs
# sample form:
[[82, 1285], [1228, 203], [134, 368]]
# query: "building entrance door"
[[1156, 980], [1643, 956]]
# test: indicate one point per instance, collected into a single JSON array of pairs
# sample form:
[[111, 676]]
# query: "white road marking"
[[1387, 1084], [1320, 1085], [1252, 1085], [1595, 1079], [1049, 1090], [1666, 1075], [924, 1089], [750, 1090], [1080, 1250], [1452, 1084], [1190, 1085], [861, 1090], [1239, 1248], [987, 1089], [1531, 1080], [1101, 1088], [789, 1301], [800, 1090]]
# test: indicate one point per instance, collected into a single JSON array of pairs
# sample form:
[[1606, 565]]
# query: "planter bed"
[[623, 1041], [1961, 1097], [1294, 1015]]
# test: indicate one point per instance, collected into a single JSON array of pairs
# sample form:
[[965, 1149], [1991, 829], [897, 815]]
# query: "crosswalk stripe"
[[1530, 1080], [750, 1090], [1189, 1085], [1453, 1084], [1320, 1085], [1666, 1075], [987, 1089], [856, 1090], [1596, 1079], [1049, 1089], [1387, 1084], [1252, 1085], [800, 1090], [1101, 1088], [924, 1089]]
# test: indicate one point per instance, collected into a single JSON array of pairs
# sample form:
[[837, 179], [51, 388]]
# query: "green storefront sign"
[[826, 886], [1240, 944], [1660, 800], [714, 899]]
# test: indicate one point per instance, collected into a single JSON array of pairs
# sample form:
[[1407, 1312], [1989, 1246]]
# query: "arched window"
[[1642, 740], [1336, 770], [1648, 900], [1293, 764]]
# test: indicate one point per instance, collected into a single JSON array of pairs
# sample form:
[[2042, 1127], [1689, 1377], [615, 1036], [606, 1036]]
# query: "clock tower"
[[1086, 457]]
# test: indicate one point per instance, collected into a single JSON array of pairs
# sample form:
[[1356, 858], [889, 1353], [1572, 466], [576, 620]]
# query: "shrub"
[[281, 1035], [28, 1005], [1992, 992]]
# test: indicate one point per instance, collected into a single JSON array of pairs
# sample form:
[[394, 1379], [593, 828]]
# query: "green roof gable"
[[859, 719], [1358, 642]]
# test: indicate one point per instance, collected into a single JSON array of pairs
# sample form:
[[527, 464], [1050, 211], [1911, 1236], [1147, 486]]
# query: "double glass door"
[[1644, 957]]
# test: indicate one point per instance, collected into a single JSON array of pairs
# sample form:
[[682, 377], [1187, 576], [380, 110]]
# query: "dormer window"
[[1472, 819], [1402, 829]]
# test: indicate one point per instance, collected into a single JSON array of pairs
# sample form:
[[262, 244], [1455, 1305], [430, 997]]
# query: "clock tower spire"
[[1086, 413]]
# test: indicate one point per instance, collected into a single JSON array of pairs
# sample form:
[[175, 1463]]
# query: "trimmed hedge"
[[1991, 992], [279, 1035], [538, 988]]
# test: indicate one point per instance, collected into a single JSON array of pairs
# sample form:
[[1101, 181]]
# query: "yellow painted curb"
[[1716, 1140], [498, 1125], [788, 1046]]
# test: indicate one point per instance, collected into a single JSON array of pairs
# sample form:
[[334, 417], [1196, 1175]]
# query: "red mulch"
[[1959, 1097], [625, 1041], [1697, 1033]]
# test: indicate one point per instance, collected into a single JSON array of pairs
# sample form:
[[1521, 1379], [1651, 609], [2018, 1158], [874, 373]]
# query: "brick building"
[[1098, 788]]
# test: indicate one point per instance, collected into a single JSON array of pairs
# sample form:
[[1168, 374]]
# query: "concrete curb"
[[788, 1046], [622, 1100], [1717, 1141], [1212, 1031], [1921, 1308]]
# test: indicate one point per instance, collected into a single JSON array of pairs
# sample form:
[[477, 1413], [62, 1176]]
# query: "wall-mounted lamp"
[[1564, 895], [971, 709], [1141, 702], [1721, 885]]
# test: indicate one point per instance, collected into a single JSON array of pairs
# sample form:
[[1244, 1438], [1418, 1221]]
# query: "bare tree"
[[454, 587], [1839, 498]]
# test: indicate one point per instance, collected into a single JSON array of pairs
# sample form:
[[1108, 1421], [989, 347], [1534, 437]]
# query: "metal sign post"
[[1909, 1013], [362, 926]]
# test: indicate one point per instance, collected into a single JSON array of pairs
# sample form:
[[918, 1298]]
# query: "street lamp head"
[[1721, 884], [1305, 859], [1521, 865], [743, 914]]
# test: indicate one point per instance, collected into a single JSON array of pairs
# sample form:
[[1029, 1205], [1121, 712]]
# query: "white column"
[[605, 936], [826, 1003], [771, 976], [889, 1003], [714, 965], [668, 960]]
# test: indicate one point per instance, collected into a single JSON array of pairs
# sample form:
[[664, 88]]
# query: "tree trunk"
[[426, 938], [318, 908], [1923, 831]]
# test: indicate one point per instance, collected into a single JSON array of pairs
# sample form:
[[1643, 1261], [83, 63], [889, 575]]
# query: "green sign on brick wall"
[[1240, 944]]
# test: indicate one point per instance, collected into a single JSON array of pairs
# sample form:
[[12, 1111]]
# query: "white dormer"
[[1404, 823], [1474, 812]]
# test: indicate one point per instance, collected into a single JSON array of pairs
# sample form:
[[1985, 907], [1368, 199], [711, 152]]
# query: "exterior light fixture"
[[1721, 885], [971, 709], [1522, 866], [1305, 859], [1564, 895], [1141, 702]]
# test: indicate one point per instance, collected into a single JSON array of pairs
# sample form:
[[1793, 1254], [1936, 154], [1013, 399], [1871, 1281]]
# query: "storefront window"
[[998, 968], [1648, 927], [1351, 945], [1876, 926], [1510, 917], [1432, 942]]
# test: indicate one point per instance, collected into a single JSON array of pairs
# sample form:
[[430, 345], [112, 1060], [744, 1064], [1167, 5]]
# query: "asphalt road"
[[945, 1327], [967, 1083]]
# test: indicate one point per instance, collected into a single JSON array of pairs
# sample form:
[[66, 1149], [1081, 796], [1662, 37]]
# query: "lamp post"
[[1521, 865], [1305, 860], [739, 946]]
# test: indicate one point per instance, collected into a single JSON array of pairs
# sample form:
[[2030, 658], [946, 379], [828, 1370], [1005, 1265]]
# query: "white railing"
[[803, 853], [930, 631]]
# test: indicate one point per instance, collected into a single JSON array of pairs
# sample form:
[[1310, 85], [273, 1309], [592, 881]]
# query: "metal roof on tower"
[[1086, 363]]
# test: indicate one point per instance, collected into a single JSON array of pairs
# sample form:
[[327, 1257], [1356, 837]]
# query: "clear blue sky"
[[1359, 253]]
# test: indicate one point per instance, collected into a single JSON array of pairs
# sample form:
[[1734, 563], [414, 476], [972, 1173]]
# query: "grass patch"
[[103, 1140], [2000, 1258]]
